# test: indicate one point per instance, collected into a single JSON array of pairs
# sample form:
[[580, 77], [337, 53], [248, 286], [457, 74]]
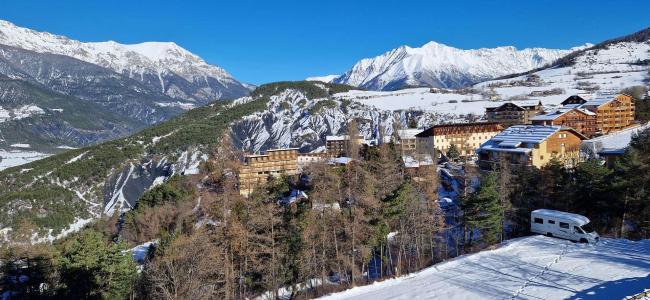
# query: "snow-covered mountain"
[[438, 65], [163, 66]]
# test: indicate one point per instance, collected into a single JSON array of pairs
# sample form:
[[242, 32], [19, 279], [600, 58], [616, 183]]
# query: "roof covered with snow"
[[340, 137], [560, 112], [408, 133], [598, 101], [612, 142], [534, 134]]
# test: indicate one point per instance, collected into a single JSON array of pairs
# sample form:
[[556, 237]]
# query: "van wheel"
[[583, 241], [548, 234]]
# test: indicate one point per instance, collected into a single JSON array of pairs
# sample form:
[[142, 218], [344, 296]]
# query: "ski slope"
[[536, 267]]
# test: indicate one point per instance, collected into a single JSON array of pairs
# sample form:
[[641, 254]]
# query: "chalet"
[[580, 119], [531, 145], [612, 113], [512, 114], [258, 167], [575, 100], [467, 137]]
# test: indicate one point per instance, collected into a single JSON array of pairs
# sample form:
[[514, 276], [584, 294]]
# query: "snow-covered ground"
[[11, 158], [536, 267]]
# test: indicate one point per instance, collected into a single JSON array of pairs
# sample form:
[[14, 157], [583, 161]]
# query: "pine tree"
[[91, 267], [483, 212], [453, 152]]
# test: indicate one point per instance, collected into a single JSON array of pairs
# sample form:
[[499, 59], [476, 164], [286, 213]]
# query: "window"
[[541, 221], [577, 229], [564, 225], [550, 221]]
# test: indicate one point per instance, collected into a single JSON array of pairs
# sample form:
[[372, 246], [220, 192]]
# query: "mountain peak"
[[439, 65], [147, 61]]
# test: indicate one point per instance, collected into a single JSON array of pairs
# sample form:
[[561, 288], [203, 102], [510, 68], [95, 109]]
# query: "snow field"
[[535, 267]]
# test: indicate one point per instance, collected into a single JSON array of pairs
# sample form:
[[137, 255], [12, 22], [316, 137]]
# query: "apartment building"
[[257, 168], [612, 113], [337, 145], [466, 137], [511, 114], [580, 119]]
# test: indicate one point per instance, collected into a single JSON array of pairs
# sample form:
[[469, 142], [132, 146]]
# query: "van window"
[[577, 229], [564, 225], [550, 221], [539, 220]]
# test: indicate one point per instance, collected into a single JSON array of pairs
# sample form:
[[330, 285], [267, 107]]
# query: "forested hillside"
[[74, 187]]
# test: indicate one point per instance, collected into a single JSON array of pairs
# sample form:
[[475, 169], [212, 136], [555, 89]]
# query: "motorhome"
[[564, 225]]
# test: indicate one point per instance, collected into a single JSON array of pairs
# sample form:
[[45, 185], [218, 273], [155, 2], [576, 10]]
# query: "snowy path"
[[535, 267]]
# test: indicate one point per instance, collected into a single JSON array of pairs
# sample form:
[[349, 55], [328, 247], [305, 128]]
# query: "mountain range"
[[442, 66], [123, 88]]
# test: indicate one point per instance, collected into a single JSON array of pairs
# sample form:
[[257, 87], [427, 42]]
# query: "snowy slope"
[[535, 267], [593, 71], [160, 64], [326, 78], [439, 65]]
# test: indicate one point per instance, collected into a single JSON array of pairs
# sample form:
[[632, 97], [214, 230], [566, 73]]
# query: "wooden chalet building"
[[531, 145], [612, 113], [580, 119], [513, 114]]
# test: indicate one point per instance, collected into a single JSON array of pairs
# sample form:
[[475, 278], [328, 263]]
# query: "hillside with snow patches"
[[165, 66], [535, 267], [99, 180], [439, 65]]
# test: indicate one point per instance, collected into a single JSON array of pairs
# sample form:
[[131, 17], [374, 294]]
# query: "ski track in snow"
[[546, 268]]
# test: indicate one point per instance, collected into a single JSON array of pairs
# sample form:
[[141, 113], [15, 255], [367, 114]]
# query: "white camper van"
[[562, 225]]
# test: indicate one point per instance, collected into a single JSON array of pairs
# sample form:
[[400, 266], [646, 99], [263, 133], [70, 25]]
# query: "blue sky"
[[264, 41]]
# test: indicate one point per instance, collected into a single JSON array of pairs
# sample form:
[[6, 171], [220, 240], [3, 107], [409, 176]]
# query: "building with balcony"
[[466, 137], [580, 119], [531, 145], [258, 167], [511, 114], [337, 145], [612, 113]]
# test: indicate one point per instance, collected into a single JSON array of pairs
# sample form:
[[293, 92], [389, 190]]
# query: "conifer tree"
[[483, 212]]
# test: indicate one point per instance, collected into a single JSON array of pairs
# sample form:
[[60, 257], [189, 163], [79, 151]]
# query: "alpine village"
[[327, 187]]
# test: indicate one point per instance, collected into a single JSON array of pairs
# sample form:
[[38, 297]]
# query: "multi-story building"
[[407, 143], [612, 113], [305, 159], [466, 137], [580, 119], [337, 145], [257, 168], [512, 114], [531, 145]]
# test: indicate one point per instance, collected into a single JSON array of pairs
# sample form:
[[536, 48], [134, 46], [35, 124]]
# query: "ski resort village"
[[145, 171]]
